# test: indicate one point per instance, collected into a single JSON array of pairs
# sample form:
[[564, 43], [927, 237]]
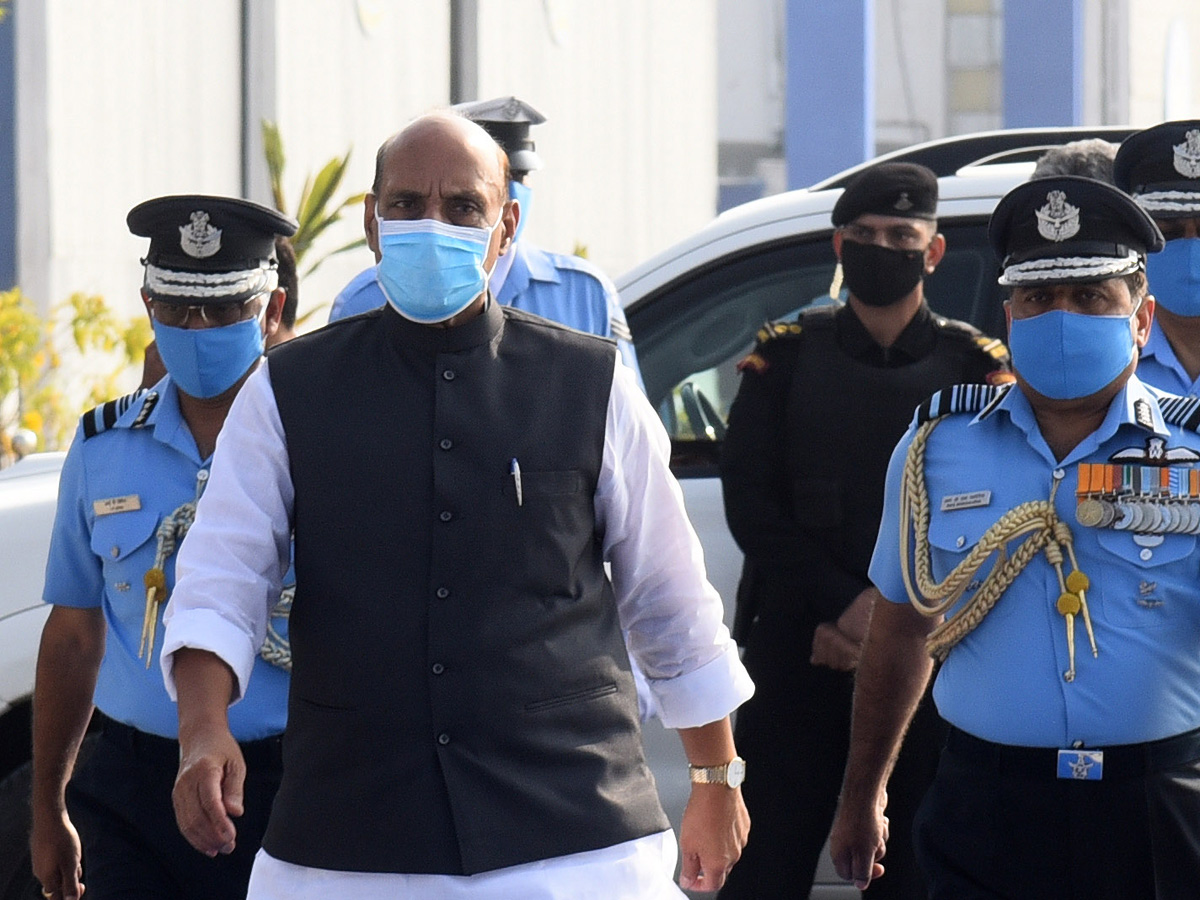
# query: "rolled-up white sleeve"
[[671, 613], [231, 564]]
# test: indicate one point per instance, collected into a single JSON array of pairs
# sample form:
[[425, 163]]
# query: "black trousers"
[[1005, 827], [794, 734], [120, 801]]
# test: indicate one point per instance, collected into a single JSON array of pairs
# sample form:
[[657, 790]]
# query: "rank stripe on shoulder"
[[105, 416], [962, 398], [1182, 411], [772, 330]]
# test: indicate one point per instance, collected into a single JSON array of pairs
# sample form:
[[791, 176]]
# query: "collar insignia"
[[1058, 220], [1187, 155], [1142, 414], [903, 204], [199, 239]]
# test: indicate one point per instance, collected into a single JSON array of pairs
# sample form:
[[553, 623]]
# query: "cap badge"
[[1187, 155], [199, 239], [903, 204], [512, 108], [1058, 220]]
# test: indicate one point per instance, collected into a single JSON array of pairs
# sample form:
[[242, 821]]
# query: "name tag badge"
[[1081, 765], [972, 500], [107, 507]]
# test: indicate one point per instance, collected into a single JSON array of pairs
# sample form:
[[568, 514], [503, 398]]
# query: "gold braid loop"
[[170, 533], [1037, 519]]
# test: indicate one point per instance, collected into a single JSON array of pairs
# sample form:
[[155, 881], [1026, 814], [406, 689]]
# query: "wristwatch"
[[732, 774]]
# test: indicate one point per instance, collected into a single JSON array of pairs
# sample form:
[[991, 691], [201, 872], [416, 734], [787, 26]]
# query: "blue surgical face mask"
[[205, 362], [431, 271], [524, 197], [1066, 355], [1174, 275]]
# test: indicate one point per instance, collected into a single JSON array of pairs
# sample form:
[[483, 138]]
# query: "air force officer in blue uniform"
[[555, 286], [126, 499], [1041, 539]]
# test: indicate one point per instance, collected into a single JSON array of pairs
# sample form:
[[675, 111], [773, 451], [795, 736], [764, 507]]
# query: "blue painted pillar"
[[1043, 63], [830, 113], [8, 150]]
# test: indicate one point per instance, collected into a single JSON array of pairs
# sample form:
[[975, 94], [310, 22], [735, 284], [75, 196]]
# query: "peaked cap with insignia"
[[1065, 229], [1160, 169], [208, 249], [507, 120], [900, 189]]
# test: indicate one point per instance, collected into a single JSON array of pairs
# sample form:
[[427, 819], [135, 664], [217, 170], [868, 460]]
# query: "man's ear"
[[370, 226], [274, 314], [512, 218], [837, 244], [934, 253], [1144, 319]]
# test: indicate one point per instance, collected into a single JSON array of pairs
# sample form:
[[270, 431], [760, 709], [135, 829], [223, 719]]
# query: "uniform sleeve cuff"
[[705, 695], [204, 629]]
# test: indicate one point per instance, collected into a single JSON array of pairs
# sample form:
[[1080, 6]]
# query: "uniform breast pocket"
[[116, 537], [952, 535], [1142, 583]]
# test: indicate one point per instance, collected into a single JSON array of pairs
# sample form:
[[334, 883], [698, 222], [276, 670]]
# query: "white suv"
[[693, 310]]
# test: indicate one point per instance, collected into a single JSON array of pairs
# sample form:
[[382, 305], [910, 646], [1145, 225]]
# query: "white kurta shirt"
[[238, 549]]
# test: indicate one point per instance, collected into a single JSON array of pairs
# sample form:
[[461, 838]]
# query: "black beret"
[[1160, 169], [208, 249], [1062, 229], [507, 120], [900, 189]]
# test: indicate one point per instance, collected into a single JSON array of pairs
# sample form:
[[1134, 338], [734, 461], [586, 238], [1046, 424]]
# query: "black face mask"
[[879, 276]]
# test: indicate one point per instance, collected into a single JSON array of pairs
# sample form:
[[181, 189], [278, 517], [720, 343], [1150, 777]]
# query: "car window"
[[691, 335]]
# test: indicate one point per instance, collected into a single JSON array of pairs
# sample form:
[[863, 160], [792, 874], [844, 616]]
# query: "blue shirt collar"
[[1135, 405]]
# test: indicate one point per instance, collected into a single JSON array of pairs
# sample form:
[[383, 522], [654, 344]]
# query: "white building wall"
[[128, 99], [1164, 63], [628, 88], [137, 101]]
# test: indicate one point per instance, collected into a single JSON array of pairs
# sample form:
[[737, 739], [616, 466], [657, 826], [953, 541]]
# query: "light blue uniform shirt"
[[565, 289], [1161, 368], [1004, 681], [115, 489]]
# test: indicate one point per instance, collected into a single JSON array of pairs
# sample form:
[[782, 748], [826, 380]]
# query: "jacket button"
[[448, 374], [438, 668], [443, 739], [445, 515], [443, 593], [445, 443]]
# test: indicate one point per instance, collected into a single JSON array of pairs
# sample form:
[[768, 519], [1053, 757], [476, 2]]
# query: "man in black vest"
[[822, 402], [456, 473]]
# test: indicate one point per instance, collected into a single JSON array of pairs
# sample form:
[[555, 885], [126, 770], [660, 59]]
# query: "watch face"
[[735, 773]]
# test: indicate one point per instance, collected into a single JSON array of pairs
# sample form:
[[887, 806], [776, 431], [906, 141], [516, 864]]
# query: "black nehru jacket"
[[461, 697]]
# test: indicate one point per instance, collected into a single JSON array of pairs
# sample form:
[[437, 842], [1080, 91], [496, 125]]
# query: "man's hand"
[[711, 838], [859, 840], [54, 847], [834, 650], [838, 645], [208, 790]]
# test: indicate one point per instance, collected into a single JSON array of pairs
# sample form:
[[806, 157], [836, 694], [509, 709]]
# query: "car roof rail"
[[945, 156]]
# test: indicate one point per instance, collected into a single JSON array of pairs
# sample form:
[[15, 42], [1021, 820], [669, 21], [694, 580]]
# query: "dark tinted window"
[[691, 335]]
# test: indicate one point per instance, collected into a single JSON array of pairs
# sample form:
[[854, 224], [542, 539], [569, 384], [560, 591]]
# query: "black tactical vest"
[[461, 698], [840, 440]]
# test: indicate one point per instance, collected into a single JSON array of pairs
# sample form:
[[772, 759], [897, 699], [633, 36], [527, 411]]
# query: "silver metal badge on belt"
[[1081, 765]]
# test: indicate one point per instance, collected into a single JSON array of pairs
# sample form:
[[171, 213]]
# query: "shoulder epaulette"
[[978, 399], [993, 347], [105, 416], [755, 361], [773, 330], [1181, 411]]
